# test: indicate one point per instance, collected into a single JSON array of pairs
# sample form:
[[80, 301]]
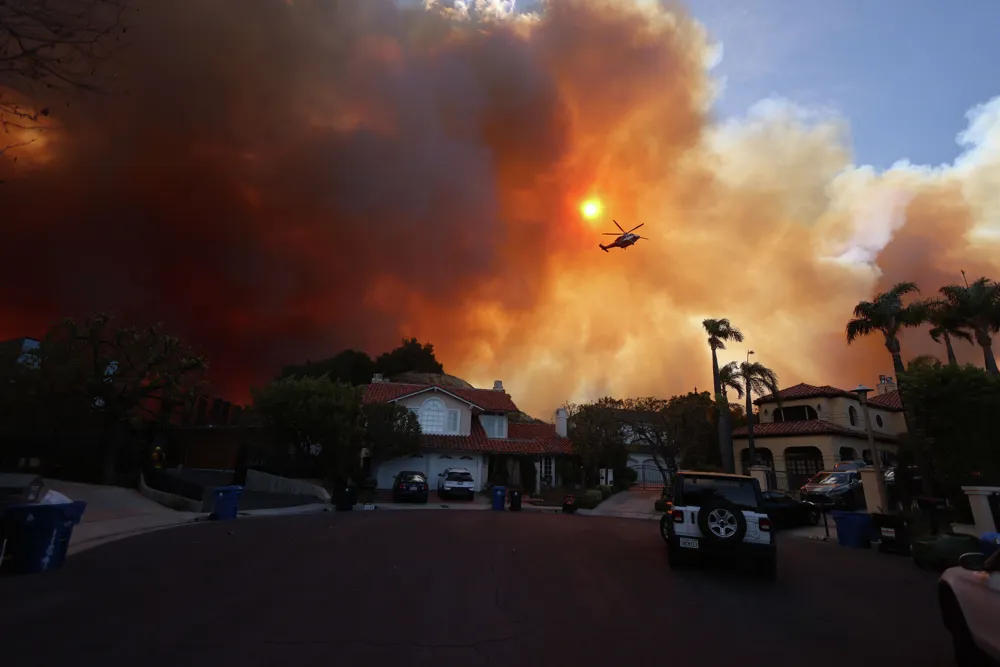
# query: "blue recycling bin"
[[989, 543], [854, 529], [226, 502], [34, 538], [499, 495]]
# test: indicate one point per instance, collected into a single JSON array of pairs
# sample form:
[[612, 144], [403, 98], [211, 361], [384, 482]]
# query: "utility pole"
[[883, 505]]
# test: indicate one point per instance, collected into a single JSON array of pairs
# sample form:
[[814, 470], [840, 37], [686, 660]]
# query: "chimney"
[[377, 378], [885, 385], [497, 385], [561, 425]]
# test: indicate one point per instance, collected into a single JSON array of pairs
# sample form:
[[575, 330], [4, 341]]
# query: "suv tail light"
[[402, 486], [678, 516], [765, 525]]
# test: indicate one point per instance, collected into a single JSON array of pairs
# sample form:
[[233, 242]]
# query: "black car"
[[787, 512], [840, 490], [410, 485]]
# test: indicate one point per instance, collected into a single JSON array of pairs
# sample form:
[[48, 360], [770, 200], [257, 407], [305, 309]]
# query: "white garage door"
[[387, 470]]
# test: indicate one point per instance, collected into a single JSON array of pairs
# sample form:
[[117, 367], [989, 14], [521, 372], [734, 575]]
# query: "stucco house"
[[817, 426], [474, 429]]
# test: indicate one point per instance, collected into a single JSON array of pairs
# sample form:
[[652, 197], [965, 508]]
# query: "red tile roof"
[[521, 438], [805, 427], [488, 400], [803, 390], [890, 400]]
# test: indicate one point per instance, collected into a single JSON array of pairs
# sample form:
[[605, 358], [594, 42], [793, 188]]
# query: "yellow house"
[[816, 427]]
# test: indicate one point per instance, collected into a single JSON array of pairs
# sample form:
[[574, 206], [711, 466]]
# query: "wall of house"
[[829, 446], [837, 411], [465, 413], [431, 463]]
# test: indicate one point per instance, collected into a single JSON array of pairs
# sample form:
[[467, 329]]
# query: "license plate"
[[369, 506], [688, 543], [413, 488], [888, 532]]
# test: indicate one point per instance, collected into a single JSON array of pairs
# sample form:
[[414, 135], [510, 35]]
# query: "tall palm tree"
[[978, 305], [946, 323], [720, 332], [887, 315], [749, 378]]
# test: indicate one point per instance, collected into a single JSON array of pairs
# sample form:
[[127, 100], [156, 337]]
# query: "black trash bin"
[[345, 497], [569, 504], [934, 510], [515, 501], [893, 531]]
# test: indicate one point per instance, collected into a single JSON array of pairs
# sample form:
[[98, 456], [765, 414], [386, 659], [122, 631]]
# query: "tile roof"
[[890, 400], [803, 390], [805, 427], [521, 439], [488, 400]]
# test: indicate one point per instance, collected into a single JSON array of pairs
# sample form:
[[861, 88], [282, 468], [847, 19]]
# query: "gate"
[[648, 477]]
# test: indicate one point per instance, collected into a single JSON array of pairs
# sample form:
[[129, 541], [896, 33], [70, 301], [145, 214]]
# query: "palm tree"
[[978, 306], [946, 323], [719, 333], [887, 315], [749, 378]]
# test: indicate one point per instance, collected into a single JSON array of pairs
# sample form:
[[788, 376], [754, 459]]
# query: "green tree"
[[887, 315], [321, 418], [596, 436], [351, 366], [391, 431], [410, 356], [946, 324], [749, 378], [98, 375], [958, 408], [721, 331], [978, 306]]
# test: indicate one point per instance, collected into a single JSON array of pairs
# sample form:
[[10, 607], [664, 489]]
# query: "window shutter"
[[453, 421]]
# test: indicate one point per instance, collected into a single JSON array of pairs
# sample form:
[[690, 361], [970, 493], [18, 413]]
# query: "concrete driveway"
[[460, 588]]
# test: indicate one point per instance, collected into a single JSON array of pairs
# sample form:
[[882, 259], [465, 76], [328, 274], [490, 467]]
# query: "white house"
[[471, 428]]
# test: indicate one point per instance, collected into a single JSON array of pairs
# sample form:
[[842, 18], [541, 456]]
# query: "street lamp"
[[751, 448], [862, 392]]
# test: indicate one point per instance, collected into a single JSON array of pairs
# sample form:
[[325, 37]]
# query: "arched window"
[[434, 417], [795, 413], [853, 414]]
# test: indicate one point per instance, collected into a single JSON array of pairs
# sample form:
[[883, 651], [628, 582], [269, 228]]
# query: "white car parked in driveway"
[[456, 481], [970, 603]]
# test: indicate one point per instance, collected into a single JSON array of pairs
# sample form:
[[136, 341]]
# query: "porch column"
[[538, 475], [979, 499]]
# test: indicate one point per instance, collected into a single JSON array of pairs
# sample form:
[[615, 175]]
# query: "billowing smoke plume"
[[278, 179]]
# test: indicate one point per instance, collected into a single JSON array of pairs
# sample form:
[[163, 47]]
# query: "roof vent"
[[377, 378], [497, 385]]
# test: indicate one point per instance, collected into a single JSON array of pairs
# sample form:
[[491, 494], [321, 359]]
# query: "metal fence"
[[649, 477]]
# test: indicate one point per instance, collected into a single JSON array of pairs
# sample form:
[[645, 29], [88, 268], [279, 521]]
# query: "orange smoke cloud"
[[287, 179]]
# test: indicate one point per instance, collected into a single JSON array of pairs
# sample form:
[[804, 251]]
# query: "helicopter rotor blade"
[[635, 228], [618, 226], [612, 234], [644, 238]]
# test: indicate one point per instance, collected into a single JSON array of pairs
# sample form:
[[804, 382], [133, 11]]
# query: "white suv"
[[456, 481], [715, 514], [970, 603]]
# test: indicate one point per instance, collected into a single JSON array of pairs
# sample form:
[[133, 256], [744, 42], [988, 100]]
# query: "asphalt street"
[[460, 588]]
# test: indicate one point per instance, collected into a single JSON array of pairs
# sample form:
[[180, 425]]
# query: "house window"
[[853, 414], [494, 425], [434, 417], [795, 413], [546, 468], [878, 420]]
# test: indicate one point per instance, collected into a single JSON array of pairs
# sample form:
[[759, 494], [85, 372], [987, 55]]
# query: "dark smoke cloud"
[[278, 180]]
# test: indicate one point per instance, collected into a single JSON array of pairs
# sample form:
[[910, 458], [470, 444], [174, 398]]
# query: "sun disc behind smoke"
[[590, 209]]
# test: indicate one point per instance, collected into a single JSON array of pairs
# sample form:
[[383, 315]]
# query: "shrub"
[[625, 478], [605, 491], [661, 505]]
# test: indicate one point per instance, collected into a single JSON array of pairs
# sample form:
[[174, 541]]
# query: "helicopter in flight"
[[624, 240]]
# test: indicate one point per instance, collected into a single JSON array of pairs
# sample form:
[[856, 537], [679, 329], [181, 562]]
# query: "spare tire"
[[722, 523]]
